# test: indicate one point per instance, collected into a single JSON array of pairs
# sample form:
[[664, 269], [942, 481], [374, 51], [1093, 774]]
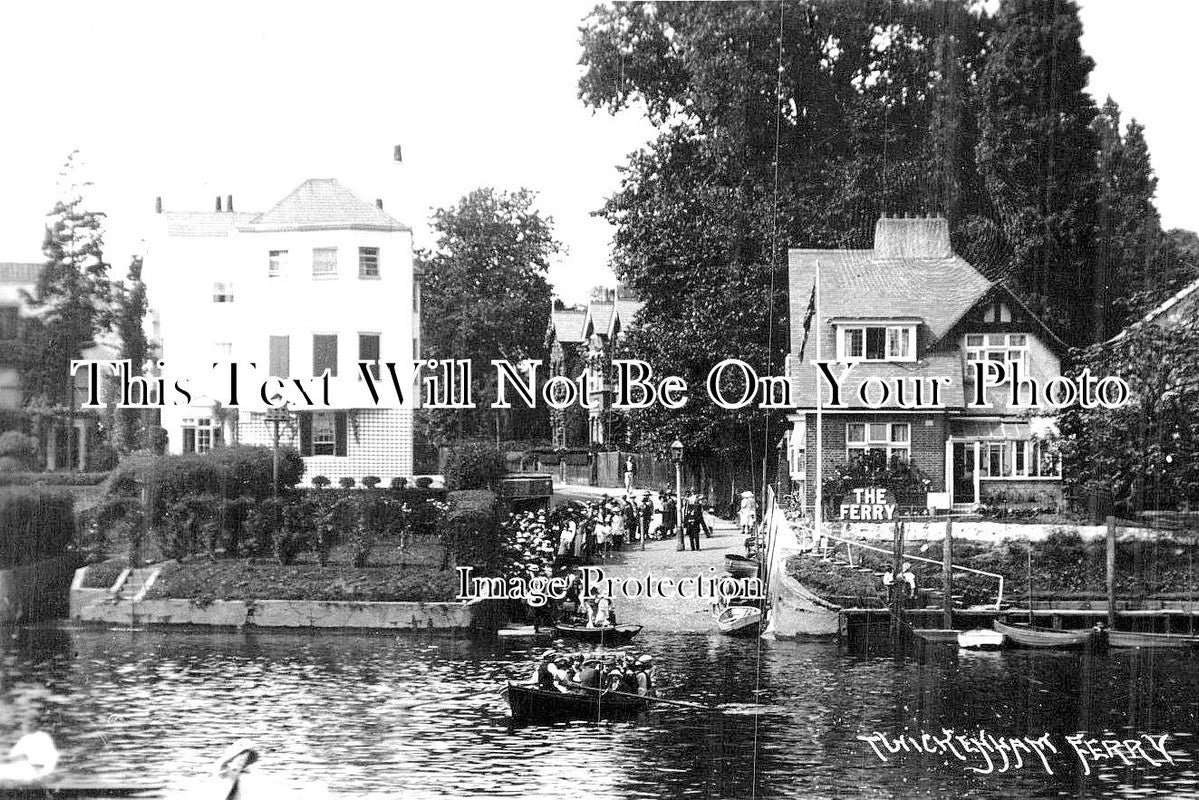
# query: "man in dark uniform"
[[694, 522]]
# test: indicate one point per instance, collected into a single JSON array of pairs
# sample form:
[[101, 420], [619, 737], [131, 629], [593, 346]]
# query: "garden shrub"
[[262, 523], [8, 464], [424, 482], [468, 531], [102, 458], [371, 481], [475, 465], [346, 483], [189, 526], [37, 524], [399, 483], [321, 482], [19, 449]]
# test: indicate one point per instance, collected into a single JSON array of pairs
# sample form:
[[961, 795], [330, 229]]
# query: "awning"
[[972, 430]]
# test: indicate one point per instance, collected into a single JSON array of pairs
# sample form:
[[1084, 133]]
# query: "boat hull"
[[531, 705], [1026, 636], [739, 621], [1156, 640], [616, 634]]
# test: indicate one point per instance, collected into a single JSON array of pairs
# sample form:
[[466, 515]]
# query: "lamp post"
[[276, 417], [676, 455]]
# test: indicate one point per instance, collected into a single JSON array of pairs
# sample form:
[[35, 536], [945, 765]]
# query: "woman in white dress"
[[748, 513]]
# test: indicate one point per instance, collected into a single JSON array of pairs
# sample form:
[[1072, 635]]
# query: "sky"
[[190, 100]]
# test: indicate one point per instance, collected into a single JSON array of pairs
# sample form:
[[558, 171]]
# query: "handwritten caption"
[[985, 753]]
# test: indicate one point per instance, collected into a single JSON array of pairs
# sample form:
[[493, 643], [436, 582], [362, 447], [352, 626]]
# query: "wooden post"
[[897, 582], [1111, 572], [947, 576]]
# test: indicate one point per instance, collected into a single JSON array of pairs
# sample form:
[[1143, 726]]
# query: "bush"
[[159, 441], [371, 481], [346, 483], [262, 522], [475, 465], [424, 483], [469, 532], [399, 483], [8, 464], [19, 448], [321, 482], [102, 458], [189, 526], [239, 471], [36, 524], [52, 478]]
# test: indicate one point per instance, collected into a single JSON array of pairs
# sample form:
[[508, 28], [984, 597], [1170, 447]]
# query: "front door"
[[963, 472]]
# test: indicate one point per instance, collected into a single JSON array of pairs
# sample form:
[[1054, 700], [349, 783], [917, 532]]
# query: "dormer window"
[[876, 342], [1002, 347]]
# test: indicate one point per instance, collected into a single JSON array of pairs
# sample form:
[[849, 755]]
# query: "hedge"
[[238, 471], [52, 478], [469, 531], [36, 524], [474, 465]]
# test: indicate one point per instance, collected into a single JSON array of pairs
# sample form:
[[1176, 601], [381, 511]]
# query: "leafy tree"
[[1037, 154], [1146, 453], [486, 296], [131, 305]]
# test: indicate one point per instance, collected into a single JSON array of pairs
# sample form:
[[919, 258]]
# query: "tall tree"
[[1037, 154], [72, 298], [131, 304], [486, 296]]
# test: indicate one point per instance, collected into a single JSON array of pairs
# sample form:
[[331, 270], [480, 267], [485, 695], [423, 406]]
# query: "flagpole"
[[818, 511]]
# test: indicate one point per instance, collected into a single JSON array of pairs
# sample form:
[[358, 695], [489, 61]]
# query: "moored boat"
[[798, 611], [607, 634], [740, 566], [1136, 639], [1030, 636], [532, 704], [980, 639], [738, 620]]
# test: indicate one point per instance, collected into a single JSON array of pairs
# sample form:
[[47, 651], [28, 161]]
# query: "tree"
[[130, 304], [486, 296], [1037, 154], [71, 301]]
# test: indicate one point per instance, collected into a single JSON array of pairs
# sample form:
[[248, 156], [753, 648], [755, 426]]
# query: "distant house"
[[910, 309], [319, 282], [584, 339]]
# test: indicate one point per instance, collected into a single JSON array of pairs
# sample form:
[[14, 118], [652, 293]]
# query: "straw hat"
[[747, 493]]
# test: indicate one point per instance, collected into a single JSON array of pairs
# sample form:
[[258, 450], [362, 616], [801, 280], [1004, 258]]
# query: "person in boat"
[[588, 675], [552, 673], [604, 614], [644, 673]]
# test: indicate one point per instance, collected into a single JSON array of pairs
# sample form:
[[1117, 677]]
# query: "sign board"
[[871, 504]]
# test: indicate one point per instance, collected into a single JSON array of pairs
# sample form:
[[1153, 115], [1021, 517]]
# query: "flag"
[[807, 323]]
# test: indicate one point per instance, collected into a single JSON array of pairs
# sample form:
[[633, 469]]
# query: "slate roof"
[[204, 223], [568, 325], [323, 204], [601, 316], [19, 272]]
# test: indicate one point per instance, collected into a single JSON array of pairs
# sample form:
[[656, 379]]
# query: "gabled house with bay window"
[[318, 282], [906, 312]]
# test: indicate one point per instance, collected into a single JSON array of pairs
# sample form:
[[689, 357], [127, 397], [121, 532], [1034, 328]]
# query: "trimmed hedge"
[[470, 531], [229, 472], [36, 524]]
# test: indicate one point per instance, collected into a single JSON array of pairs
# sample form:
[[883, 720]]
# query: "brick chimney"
[[912, 237], [157, 205], [218, 202], [229, 203], [379, 203]]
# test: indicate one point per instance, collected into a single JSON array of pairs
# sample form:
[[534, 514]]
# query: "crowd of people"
[[624, 672]]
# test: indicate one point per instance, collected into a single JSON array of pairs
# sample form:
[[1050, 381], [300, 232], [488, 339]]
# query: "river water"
[[337, 710]]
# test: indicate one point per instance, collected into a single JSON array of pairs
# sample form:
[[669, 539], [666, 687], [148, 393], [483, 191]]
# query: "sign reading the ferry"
[[874, 503]]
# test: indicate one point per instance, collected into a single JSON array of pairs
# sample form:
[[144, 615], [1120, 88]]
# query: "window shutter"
[[305, 433], [280, 356], [324, 354], [339, 422]]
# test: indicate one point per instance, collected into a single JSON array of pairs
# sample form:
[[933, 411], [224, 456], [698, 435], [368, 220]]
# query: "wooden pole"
[[1111, 572], [897, 589], [947, 576]]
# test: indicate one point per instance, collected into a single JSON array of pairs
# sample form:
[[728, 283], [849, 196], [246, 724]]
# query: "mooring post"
[[947, 576], [1111, 572], [898, 583]]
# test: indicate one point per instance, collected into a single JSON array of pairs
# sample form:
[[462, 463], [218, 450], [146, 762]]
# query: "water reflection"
[[421, 716]]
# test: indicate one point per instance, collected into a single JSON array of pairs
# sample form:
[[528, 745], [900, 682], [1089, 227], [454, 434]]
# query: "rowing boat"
[[532, 704], [608, 634], [1029, 636], [1136, 639], [738, 620]]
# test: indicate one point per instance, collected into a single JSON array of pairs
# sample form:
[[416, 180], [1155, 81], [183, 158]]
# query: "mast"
[[819, 510]]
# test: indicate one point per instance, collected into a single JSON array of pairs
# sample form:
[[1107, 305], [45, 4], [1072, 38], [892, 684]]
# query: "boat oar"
[[649, 698]]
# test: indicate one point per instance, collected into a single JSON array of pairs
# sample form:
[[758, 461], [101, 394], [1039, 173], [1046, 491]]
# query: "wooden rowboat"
[[1135, 639], [738, 620], [608, 634], [1029, 636], [531, 704]]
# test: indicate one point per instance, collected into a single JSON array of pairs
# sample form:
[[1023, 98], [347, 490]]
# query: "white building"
[[320, 281]]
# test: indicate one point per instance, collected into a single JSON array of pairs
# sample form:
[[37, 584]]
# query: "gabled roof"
[[601, 316], [568, 325], [19, 272], [1166, 312], [323, 204]]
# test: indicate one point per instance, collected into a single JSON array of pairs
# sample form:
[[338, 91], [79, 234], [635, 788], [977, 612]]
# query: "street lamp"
[[276, 417], [676, 455]]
